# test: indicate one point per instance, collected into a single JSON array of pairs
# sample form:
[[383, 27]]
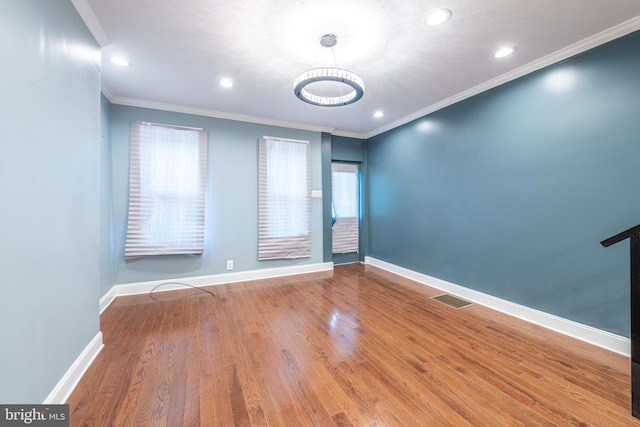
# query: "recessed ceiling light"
[[120, 61], [378, 114], [505, 51], [226, 83], [438, 17]]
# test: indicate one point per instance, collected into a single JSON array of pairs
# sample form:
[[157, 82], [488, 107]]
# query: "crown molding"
[[90, 20], [348, 134], [596, 40], [132, 102], [106, 92], [141, 103]]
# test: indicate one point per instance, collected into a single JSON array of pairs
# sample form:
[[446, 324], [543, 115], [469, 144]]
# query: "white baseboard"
[[70, 379], [597, 337], [107, 299], [215, 279]]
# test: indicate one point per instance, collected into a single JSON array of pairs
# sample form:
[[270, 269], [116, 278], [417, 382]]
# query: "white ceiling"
[[179, 50]]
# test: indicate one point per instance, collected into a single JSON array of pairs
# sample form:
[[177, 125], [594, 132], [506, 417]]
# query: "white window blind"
[[284, 199], [345, 194], [167, 189]]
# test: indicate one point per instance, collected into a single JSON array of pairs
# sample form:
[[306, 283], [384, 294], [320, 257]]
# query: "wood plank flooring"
[[354, 347]]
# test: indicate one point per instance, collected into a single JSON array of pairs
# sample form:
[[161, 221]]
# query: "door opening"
[[346, 211]]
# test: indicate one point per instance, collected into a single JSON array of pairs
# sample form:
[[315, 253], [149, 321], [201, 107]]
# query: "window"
[[344, 189], [284, 199], [167, 187]]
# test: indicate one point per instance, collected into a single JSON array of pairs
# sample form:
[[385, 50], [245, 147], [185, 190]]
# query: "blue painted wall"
[[347, 149], [107, 250], [50, 193], [232, 199], [327, 255], [511, 191]]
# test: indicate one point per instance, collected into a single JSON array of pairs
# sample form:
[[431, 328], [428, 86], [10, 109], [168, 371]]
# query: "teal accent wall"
[[50, 192], [511, 191], [231, 224], [347, 149]]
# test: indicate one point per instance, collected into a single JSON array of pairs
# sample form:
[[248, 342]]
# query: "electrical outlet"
[[229, 264]]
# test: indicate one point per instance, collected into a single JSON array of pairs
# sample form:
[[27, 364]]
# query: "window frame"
[[148, 236], [270, 205]]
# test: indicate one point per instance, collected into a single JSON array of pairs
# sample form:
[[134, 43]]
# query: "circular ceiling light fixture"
[[326, 86], [438, 17]]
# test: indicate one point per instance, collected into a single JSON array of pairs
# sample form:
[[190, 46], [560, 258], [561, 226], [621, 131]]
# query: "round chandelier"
[[324, 75]]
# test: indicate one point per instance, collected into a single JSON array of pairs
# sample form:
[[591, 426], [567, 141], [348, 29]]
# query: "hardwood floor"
[[354, 347]]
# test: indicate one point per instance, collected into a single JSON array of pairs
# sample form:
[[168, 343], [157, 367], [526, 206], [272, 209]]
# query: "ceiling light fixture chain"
[[329, 74], [333, 55]]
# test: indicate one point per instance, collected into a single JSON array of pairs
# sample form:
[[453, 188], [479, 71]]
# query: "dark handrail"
[[633, 234], [621, 236]]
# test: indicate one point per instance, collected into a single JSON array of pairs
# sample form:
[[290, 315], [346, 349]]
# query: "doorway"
[[346, 212]]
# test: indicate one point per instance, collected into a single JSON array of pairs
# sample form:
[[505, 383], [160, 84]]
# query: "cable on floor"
[[178, 283]]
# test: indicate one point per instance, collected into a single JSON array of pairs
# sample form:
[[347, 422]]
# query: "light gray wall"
[[50, 193], [511, 191], [107, 250], [232, 198], [327, 255]]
